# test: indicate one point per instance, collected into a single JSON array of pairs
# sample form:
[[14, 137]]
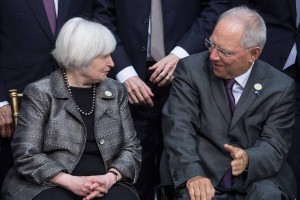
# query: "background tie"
[[157, 46], [51, 14]]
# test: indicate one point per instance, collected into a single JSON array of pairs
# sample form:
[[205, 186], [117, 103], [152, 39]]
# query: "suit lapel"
[[292, 5], [219, 94], [250, 94], [63, 13], [37, 8]]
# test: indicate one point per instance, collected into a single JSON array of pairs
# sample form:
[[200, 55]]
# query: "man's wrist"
[[3, 103], [126, 73]]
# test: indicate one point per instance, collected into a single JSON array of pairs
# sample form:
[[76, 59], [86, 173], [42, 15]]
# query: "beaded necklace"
[[69, 89]]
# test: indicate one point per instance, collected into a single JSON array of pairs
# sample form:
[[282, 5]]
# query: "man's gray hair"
[[255, 28]]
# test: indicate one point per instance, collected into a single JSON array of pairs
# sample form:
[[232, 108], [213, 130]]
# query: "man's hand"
[[6, 126], [139, 92], [240, 159], [200, 188], [163, 70]]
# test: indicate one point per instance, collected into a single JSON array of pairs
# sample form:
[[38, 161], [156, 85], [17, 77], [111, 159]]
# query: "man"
[[146, 79], [26, 41], [230, 142]]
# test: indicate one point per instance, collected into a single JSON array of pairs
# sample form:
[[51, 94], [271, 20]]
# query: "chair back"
[[14, 102]]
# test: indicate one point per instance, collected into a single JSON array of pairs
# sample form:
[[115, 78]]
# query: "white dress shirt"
[[240, 83]]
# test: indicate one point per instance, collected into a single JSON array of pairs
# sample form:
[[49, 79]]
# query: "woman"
[[75, 137]]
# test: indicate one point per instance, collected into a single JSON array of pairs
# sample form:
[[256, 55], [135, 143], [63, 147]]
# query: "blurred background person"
[[75, 137]]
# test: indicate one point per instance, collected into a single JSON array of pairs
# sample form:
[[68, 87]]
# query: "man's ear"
[[254, 53]]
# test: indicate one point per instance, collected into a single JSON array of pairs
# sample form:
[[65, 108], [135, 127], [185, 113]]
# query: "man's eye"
[[223, 52]]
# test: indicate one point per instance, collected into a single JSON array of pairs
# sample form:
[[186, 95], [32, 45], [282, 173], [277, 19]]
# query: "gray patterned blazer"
[[50, 136]]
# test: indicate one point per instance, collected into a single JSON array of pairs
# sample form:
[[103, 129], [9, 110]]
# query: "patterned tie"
[[51, 14], [229, 84], [225, 183], [157, 31]]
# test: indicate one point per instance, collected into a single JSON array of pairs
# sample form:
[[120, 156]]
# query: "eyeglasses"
[[221, 52]]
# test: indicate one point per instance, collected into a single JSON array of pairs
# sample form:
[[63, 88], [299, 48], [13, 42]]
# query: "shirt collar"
[[243, 79]]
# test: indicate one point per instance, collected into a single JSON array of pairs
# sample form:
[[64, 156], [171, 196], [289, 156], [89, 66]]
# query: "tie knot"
[[229, 83]]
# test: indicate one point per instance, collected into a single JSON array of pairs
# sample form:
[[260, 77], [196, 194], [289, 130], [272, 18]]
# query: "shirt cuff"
[[180, 52], [3, 103], [125, 74]]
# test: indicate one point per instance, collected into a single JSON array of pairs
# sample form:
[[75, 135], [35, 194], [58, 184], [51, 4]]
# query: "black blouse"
[[91, 162]]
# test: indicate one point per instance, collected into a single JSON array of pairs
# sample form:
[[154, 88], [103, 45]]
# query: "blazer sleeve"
[[27, 143], [129, 160], [181, 124], [193, 40], [268, 154]]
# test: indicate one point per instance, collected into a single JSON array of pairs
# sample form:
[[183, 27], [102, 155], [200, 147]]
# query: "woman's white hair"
[[80, 41]]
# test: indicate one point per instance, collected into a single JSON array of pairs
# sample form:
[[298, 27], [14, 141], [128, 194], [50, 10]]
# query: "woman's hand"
[[97, 187], [80, 185]]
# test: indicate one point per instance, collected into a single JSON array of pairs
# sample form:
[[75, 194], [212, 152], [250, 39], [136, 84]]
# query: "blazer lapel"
[[59, 90], [219, 94], [250, 93], [37, 8], [103, 97]]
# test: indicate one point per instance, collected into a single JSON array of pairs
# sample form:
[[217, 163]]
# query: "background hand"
[[240, 159], [6, 126], [163, 70], [200, 188], [139, 92]]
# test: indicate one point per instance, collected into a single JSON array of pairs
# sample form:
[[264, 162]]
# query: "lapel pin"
[[257, 87], [108, 93]]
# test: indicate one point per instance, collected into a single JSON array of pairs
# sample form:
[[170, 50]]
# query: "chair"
[[14, 102], [164, 191]]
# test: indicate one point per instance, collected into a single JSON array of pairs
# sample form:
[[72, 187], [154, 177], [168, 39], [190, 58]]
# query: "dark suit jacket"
[[280, 18], [197, 123], [50, 136], [186, 23], [26, 39]]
